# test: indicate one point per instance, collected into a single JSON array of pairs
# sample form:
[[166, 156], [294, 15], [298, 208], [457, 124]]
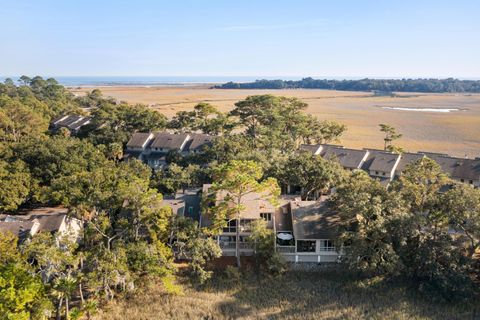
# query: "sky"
[[277, 38]]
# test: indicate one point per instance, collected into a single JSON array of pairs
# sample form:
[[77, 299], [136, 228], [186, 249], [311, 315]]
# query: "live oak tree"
[[233, 181], [366, 209], [462, 205], [15, 184], [315, 175]]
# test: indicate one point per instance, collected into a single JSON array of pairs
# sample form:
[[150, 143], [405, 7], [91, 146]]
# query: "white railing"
[[286, 249]]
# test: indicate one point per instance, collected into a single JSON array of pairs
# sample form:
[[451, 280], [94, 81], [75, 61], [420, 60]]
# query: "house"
[[153, 148], [312, 234], [386, 166], [406, 159], [186, 203], [53, 220], [350, 159], [71, 122], [255, 207], [459, 169], [305, 230], [381, 164]]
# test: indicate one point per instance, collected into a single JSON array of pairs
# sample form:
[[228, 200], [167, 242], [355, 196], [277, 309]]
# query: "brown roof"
[[169, 141], [138, 140], [314, 220]]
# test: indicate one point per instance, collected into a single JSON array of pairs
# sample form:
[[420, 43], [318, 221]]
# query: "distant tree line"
[[385, 85]]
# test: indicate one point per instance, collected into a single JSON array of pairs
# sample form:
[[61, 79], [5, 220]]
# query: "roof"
[[314, 220], [139, 140], [313, 148], [165, 140], [348, 158], [198, 141], [381, 161], [458, 168], [176, 205], [72, 122], [49, 219], [406, 159], [20, 229]]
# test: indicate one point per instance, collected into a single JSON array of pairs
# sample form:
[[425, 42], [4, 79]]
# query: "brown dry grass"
[[456, 133], [297, 295]]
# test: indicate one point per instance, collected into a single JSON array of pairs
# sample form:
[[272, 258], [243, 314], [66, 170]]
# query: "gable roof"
[[406, 159], [139, 140], [381, 161], [458, 168], [314, 220], [165, 140], [348, 158], [313, 148], [198, 141], [72, 122], [21, 229]]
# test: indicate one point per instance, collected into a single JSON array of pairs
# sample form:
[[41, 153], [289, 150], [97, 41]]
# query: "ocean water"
[[86, 81]]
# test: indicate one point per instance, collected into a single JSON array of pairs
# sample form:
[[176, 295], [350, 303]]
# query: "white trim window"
[[327, 246]]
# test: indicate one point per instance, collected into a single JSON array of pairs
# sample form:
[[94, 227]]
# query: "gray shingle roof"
[[406, 159], [20, 229], [314, 220], [165, 140], [138, 140], [380, 161], [198, 141], [458, 168], [348, 158], [313, 148]]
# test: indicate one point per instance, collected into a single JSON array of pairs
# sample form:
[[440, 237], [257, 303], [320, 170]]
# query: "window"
[[462, 180], [245, 225], [190, 210], [376, 172], [306, 246], [266, 216], [470, 181], [327, 245], [231, 226], [383, 173]]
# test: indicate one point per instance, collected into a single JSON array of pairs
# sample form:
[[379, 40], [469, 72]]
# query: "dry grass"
[[297, 295], [455, 133]]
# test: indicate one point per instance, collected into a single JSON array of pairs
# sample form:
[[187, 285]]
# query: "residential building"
[[53, 220], [72, 122], [153, 148], [386, 166]]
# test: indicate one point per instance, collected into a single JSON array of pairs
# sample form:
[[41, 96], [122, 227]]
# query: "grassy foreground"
[[296, 295]]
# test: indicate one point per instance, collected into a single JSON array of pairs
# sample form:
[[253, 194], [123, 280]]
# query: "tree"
[[8, 248], [462, 205], [22, 296], [267, 259], [18, 121], [233, 182], [366, 209], [390, 135], [15, 184], [312, 173]]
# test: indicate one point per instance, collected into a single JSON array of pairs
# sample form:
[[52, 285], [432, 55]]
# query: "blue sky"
[[322, 38]]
